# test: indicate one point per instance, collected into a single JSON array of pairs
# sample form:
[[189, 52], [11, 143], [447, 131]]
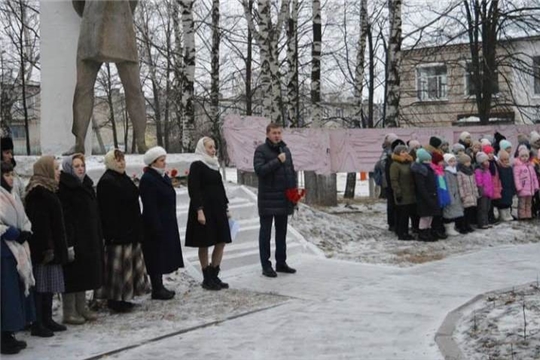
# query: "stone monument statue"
[[107, 35]]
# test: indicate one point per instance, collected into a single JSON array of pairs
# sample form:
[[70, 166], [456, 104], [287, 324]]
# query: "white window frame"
[[423, 94], [466, 92]]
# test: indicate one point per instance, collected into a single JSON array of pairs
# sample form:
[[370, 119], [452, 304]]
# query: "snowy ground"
[[504, 325]]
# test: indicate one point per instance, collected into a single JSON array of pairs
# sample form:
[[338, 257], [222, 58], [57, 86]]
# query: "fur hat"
[[448, 157], [481, 157], [456, 148], [505, 144], [398, 149], [464, 135], [464, 158], [488, 149], [422, 155], [435, 142], [7, 143], [522, 139], [153, 154], [413, 144], [390, 138], [397, 142], [436, 158]]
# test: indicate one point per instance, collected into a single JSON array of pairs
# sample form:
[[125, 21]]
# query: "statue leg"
[[135, 103], [83, 101]]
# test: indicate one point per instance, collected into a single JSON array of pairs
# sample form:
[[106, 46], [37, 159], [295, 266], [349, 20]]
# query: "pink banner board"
[[328, 151]]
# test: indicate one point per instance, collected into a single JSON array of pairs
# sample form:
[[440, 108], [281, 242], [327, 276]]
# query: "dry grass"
[[406, 256]]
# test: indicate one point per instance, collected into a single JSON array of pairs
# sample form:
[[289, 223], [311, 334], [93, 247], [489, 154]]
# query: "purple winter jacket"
[[484, 182]]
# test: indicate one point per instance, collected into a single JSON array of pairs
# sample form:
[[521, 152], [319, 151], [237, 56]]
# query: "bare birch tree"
[[188, 80], [393, 63]]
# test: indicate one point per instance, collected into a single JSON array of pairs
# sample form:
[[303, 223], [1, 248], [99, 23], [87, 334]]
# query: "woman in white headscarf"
[[208, 223]]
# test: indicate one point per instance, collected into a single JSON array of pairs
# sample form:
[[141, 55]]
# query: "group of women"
[[68, 238]]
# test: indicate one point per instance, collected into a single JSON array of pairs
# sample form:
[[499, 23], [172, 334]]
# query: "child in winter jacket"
[[526, 184], [437, 164], [426, 193], [506, 175], [497, 186], [453, 212], [402, 182], [468, 191], [485, 188]]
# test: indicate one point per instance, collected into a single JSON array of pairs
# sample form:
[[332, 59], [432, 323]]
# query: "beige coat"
[[107, 33]]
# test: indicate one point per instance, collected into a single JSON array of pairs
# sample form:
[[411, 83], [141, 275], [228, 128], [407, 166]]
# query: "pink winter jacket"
[[484, 182], [525, 178]]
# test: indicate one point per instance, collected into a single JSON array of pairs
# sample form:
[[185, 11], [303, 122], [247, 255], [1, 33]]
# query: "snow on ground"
[[191, 307], [357, 231], [498, 327]]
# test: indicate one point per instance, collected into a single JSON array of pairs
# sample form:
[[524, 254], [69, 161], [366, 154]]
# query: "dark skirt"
[[215, 231], [125, 273], [17, 309], [49, 278]]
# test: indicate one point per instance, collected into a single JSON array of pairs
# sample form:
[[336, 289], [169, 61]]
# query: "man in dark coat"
[[274, 167]]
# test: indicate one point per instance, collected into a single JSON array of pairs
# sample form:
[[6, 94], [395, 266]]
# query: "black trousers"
[[470, 216], [265, 234], [437, 223], [403, 213], [390, 208]]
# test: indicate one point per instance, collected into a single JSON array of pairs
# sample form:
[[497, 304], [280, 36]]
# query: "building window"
[[18, 132], [431, 82], [536, 72], [470, 85]]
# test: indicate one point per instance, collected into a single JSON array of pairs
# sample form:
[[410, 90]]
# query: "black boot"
[[9, 344], [38, 329], [120, 306], [426, 235], [48, 321], [215, 273], [158, 290], [209, 281]]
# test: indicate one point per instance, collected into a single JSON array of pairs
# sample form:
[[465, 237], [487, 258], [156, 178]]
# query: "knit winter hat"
[[456, 148], [436, 158], [413, 144], [524, 152], [464, 158], [505, 144], [448, 157], [390, 138], [397, 142], [435, 142], [7, 143], [535, 136], [398, 149], [464, 135], [481, 157], [485, 142], [488, 149], [422, 155], [153, 154]]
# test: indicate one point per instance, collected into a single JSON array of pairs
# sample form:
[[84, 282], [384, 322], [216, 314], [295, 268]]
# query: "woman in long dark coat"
[[16, 265], [83, 228], [161, 246], [48, 243], [121, 220], [208, 223]]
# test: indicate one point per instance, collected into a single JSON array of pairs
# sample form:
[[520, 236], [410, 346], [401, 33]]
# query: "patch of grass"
[[405, 256]]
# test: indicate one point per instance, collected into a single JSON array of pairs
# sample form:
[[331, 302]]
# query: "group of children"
[[450, 191]]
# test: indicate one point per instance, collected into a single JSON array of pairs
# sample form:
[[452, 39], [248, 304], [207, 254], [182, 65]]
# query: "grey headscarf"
[[67, 167]]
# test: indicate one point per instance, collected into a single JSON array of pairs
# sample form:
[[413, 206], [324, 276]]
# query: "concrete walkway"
[[344, 310]]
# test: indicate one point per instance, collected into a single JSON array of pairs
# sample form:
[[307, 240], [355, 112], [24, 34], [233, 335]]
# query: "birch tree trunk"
[[321, 189], [394, 60], [110, 101], [188, 120], [178, 65], [214, 72], [350, 186], [293, 105], [267, 38]]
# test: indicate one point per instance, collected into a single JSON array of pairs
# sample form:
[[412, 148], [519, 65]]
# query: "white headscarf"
[[210, 161]]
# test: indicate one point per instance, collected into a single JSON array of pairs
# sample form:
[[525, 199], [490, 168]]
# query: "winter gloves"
[[14, 234]]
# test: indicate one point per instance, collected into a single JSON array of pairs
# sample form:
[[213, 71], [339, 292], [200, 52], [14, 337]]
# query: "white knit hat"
[[152, 154], [448, 157]]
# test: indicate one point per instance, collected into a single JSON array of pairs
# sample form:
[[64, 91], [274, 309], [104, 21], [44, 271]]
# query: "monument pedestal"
[[59, 36]]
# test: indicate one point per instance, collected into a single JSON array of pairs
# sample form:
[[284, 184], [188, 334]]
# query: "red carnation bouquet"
[[294, 195]]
